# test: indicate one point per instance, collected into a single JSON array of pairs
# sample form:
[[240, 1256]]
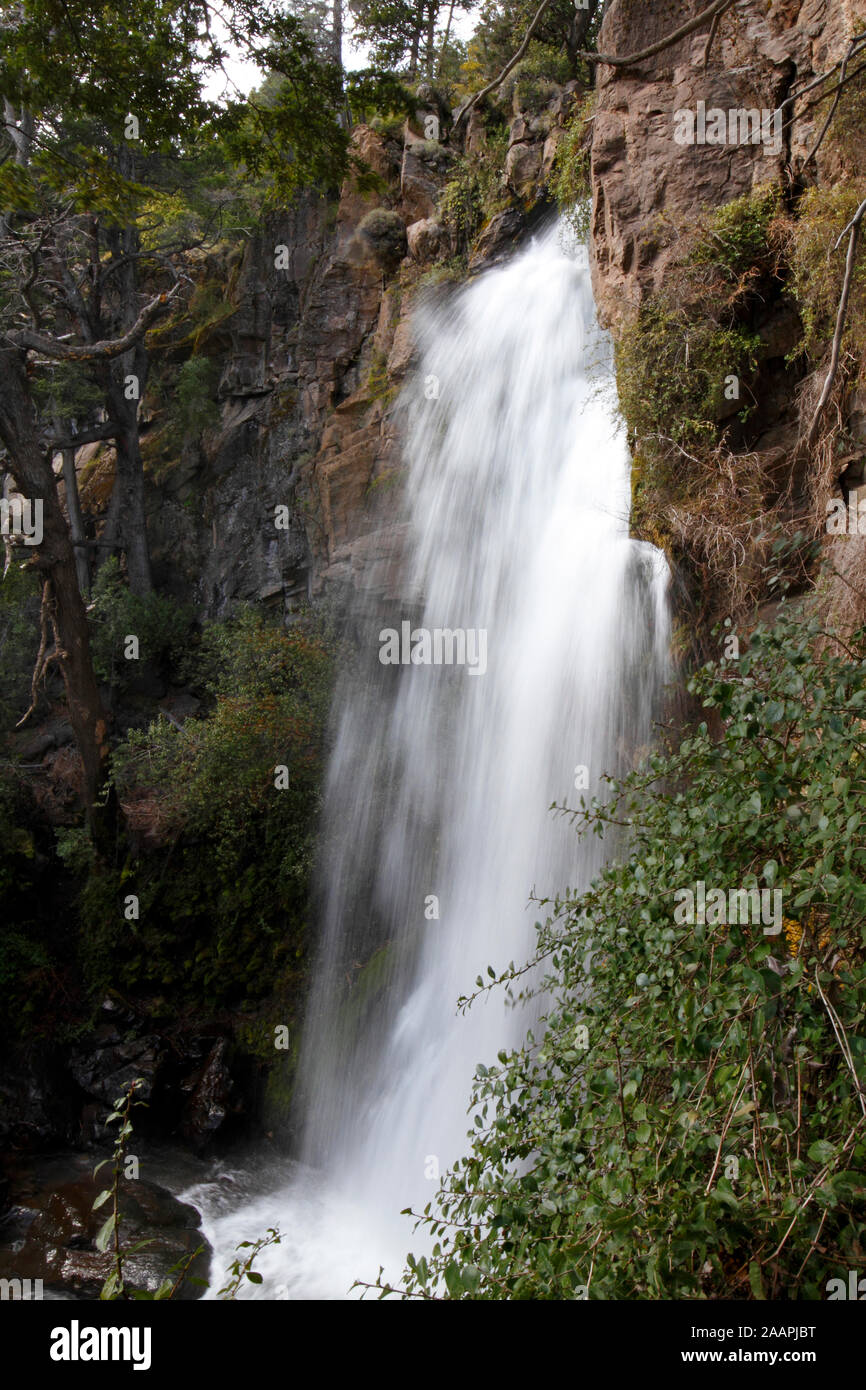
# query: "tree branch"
[[497, 81], [855, 43], [713, 12], [112, 347], [854, 229], [95, 435]]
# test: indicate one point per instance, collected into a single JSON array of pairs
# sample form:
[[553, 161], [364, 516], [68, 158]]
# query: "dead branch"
[[42, 657], [95, 435], [852, 48], [111, 347], [497, 81], [853, 228], [712, 12]]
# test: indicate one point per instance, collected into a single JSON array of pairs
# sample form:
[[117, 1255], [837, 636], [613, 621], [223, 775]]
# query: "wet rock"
[[499, 239], [37, 1111], [211, 1097], [106, 1072], [36, 747], [59, 1244]]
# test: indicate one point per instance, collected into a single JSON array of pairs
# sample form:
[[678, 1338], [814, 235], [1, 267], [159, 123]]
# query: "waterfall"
[[437, 827]]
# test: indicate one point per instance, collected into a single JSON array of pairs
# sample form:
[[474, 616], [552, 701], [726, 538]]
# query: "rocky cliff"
[[652, 187], [292, 491]]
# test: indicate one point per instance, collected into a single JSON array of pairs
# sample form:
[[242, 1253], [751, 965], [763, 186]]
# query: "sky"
[[244, 76]]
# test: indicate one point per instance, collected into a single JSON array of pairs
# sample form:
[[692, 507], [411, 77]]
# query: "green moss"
[[818, 269], [475, 192], [536, 79], [736, 238], [570, 179], [671, 372]]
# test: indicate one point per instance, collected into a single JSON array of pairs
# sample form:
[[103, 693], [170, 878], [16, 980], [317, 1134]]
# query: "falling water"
[[438, 829]]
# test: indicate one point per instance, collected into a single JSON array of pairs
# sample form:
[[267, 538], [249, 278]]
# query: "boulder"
[[425, 239], [59, 1245], [522, 168], [424, 171]]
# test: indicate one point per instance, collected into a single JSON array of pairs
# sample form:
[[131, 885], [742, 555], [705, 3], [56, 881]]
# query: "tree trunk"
[[429, 58], [129, 475], [20, 131], [580, 26], [120, 377], [76, 522], [55, 558], [446, 38], [415, 50], [337, 34]]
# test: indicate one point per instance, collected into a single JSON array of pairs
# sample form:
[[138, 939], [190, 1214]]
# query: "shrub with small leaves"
[[690, 1119]]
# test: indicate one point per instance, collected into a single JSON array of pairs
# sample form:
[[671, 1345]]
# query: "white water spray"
[[437, 823]]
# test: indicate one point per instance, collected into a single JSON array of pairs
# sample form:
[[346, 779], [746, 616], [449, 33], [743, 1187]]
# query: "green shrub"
[[818, 269], [224, 883], [689, 1122], [161, 625], [570, 179], [28, 964], [675, 361], [19, 641], [736, 238], [536, 79], [195, 405], [475, 192], [671, 371], [389, 127], [385, 232]]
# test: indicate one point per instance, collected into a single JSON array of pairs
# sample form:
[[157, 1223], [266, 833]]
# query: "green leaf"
[[756, 1282], [821, 1151], [105, 1234], [254, 1276]]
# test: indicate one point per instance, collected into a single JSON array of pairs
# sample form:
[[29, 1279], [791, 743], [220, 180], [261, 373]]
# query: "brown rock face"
[[424, 165], [689, 130], [639, 170], [314, 344]]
